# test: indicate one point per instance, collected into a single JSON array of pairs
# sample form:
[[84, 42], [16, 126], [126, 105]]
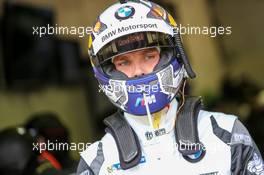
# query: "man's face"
[[137, 63]]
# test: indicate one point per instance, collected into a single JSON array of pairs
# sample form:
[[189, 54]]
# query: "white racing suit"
[[229, 149]]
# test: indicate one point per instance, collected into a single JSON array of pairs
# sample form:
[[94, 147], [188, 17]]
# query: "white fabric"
[[160, 154]]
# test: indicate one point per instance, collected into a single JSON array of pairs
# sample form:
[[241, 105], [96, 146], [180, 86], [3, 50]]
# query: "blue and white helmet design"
[[130, 26], [125, 12]]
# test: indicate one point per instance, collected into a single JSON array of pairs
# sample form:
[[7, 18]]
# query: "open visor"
[[132, 42]]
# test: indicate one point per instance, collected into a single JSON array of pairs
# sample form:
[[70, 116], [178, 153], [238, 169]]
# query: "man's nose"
[[139, 70]]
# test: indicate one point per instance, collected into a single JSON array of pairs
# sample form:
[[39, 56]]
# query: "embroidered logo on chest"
[[159, 132]]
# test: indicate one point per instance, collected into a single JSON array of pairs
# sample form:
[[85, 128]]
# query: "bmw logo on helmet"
[[124, 12]]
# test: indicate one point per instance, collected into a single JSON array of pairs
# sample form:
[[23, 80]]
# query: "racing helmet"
[[133, 25]]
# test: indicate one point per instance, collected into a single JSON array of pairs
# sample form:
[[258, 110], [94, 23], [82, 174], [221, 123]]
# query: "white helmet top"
[[131, 17]]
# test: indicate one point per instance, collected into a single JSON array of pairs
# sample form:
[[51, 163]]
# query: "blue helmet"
[[130, 26]]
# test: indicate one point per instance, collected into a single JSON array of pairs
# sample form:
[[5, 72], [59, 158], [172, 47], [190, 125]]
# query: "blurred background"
[[46, 80]]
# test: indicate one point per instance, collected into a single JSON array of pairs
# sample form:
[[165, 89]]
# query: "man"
[[139, 61]]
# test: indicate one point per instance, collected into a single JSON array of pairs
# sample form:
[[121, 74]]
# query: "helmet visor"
[[132, 42]]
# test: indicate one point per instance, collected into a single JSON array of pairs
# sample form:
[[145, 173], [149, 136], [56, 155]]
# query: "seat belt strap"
[[186, 130], [126, 140]]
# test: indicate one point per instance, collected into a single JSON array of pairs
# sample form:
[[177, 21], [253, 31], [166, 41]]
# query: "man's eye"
[[123, 63], [148, 57]]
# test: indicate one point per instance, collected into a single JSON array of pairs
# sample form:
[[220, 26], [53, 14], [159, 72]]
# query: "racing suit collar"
[[143, 129]]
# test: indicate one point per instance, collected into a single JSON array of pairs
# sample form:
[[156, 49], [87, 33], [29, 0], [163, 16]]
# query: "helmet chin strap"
[[148, 112], [150, 118]]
